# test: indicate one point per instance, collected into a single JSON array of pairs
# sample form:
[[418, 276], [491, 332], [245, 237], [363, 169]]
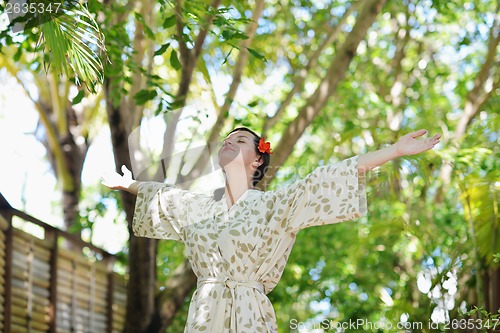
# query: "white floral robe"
[[239, 254]]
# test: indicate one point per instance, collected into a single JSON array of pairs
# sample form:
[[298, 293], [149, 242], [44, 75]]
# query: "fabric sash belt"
[[232, 285]]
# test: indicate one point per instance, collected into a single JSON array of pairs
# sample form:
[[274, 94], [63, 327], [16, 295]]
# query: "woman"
[[238, 246]]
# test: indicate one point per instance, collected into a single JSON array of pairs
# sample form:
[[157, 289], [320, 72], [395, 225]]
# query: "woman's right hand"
[[115, 181]]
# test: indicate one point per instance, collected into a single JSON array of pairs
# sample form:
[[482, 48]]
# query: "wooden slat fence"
[[47, 288]]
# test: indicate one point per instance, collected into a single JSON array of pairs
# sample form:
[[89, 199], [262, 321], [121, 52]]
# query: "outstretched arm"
[[406, 145], [115, 181]]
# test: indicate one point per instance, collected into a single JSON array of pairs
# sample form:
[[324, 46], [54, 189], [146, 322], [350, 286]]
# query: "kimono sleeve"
[[160, 211], [330, 194]]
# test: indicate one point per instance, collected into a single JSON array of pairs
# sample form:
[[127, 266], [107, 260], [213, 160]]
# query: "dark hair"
[[261, 170]]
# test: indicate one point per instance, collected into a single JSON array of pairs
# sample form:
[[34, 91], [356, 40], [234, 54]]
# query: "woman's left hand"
[[410, 145]]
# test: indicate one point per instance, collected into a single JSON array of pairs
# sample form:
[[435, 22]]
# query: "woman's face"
[[238, 148]]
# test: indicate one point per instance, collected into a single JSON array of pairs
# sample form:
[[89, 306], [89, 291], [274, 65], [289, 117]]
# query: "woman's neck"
[[235, 188]]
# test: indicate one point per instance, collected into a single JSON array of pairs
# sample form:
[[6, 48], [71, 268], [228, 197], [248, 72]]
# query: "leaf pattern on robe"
[[249, 242]]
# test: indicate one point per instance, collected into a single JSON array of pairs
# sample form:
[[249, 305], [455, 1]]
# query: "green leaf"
[[219, 21], [159, 109], [147, 30], [18, 54], [253, 104], [174, 60], [169, 22], [257, 54], [78, 98], [227, 55], [162, 49], [144, 95], [202, 67], [176, 104], [496, 258], [233, 34], [139, 18], [56, 45], [73, 41]]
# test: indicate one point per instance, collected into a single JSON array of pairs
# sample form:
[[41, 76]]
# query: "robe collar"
[[248, 195]]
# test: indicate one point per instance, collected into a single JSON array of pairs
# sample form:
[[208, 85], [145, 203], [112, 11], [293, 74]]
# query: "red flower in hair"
[[264, 147]]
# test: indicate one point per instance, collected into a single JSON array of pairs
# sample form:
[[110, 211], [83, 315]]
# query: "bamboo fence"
[[48, 285]]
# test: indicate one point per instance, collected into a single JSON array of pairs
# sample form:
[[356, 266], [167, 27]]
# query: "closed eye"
[[240, 139]]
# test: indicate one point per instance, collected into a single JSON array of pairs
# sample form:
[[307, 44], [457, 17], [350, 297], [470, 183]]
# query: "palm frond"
[[481, 206], [74, 42]]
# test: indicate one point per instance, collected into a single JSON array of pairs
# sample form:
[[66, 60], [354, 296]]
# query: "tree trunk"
[[169, 301], [486, 288], [495, 289], [74, 157], [142, 251]]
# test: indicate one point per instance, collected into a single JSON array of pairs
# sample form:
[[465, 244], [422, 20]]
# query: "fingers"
[[431, 142], [418, 133], [106, 179], [125, 170], [435, 139], [127, 174], [105, 182]]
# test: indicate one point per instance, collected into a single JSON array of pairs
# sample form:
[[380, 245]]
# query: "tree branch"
[[183, 49], [336, 72], [51, 130], [477, 96], [198, 44], [300, 75], [237, 74], [139, 45], [475, 99]]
